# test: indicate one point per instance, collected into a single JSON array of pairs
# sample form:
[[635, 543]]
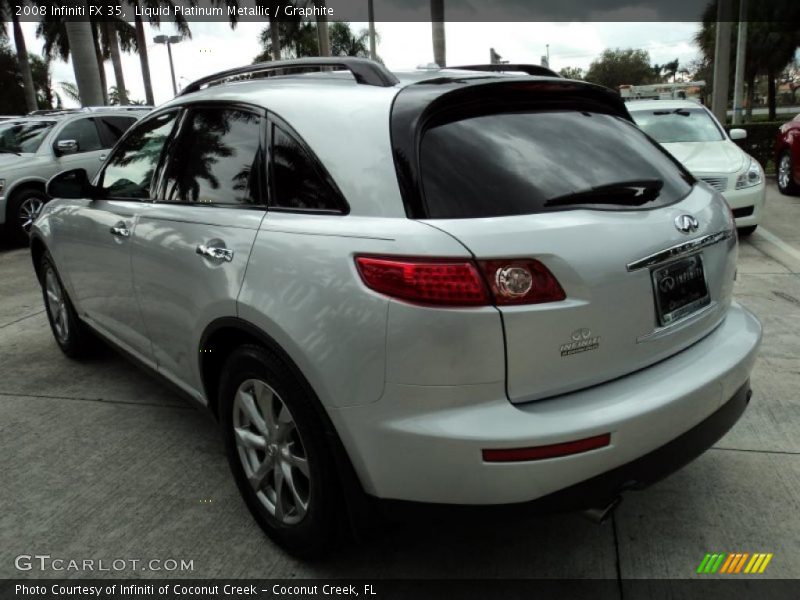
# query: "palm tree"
[[437, 27], [84, 63], [8, 8]]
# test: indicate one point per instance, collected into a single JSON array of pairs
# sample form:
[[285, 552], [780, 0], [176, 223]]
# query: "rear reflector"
[[439, 282], [454, 282], [550, 451]]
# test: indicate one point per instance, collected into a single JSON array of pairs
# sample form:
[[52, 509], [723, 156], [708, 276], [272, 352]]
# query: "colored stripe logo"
[[734, 563]]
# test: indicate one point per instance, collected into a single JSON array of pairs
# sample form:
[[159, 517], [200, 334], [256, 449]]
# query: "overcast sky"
[[214, 47]]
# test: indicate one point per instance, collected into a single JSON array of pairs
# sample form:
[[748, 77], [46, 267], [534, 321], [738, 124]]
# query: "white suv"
[[34, 148], [440, 286]]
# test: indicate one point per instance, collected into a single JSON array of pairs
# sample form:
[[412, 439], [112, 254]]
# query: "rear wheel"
[[785, 178], [277, 450], [72, 336], [24, 207]]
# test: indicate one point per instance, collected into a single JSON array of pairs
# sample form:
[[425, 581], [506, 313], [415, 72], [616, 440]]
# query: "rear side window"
[[298, 181], [217, 158], [112, 128], [83, 131], [531, 162]]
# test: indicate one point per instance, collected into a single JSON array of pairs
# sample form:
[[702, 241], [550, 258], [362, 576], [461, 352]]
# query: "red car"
[[787, 157]]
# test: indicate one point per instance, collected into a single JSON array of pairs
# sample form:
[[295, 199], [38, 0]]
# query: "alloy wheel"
[[57, 305], [784, 171], [271, 451], [28, 211]]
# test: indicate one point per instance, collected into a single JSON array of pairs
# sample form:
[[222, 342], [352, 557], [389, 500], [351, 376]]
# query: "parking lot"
[[98, 460]]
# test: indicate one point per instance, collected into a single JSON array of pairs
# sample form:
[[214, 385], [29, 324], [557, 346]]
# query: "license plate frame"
[[680, 289]]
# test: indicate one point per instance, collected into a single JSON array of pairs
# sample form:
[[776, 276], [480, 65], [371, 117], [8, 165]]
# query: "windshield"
[[678, 125], [531, 162], [23, 136]]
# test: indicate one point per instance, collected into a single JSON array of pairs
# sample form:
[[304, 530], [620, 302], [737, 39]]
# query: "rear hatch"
[[645, 257]]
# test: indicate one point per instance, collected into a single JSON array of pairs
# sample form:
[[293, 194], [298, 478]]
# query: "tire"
[[266, 414], [23, 208], [746, 231], [785, 180], [71, 334]]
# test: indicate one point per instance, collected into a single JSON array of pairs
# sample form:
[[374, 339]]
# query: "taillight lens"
[[449, 282], [444, 283], [521, 282]]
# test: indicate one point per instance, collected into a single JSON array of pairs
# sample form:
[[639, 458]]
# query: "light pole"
[[169, 40]]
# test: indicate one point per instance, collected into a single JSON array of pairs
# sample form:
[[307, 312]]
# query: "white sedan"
[[691, 133]]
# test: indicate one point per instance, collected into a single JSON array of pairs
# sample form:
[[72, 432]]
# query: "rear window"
[[531, 162]]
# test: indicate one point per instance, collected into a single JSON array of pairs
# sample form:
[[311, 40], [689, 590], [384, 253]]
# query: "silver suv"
[[441, 286], [34, 148]]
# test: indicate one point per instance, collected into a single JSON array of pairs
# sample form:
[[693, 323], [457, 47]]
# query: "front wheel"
[[746, 231], [278, 452], [785, 177], [24, 207]]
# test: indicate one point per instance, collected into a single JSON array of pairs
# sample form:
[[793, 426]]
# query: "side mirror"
[[737, 134], [66, 147], [73, 184]]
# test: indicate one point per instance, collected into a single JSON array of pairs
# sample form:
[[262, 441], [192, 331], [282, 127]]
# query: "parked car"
[[485, 289], [33, 149], [693, 135], [787, 157]]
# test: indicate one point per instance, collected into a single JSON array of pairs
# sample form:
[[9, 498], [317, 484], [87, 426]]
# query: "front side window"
[[83, 131], [678, 125], [129, 172], [298, 183], [517, 163], [217, 158], [26, 136]]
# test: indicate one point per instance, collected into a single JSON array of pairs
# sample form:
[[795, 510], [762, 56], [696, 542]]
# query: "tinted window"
[[297, 181], [83, 131], [217, 158], [678, 125], [520, 163], [23, 136], [130, 170], [113, 128]]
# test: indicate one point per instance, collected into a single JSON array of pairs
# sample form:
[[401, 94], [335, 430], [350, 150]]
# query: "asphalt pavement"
[[99, 461]]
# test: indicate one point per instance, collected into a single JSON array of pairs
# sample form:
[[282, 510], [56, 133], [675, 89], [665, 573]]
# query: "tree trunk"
[[142, 43], [275, 37], [84, 61], [101, 68], [116, 60], [771, 93], [322, 31], [437, 27], [751, 97], [24, 65]]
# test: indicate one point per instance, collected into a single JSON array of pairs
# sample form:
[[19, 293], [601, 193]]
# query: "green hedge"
[[760, 141]]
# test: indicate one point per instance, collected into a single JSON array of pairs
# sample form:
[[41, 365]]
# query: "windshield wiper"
[[678, 111], [7, 151], [623, 193]]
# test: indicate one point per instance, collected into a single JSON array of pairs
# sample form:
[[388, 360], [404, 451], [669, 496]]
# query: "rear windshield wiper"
[[623, 193]]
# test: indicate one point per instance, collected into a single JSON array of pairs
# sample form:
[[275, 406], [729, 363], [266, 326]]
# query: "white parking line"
[[770, 238]]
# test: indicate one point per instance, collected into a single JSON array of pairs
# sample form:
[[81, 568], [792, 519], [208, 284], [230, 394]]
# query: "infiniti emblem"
[[686, 223]]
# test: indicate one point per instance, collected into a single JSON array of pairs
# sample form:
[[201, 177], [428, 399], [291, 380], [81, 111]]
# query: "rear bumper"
[[424, 443]]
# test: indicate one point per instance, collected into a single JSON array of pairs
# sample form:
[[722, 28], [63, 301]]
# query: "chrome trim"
[[680, 250]]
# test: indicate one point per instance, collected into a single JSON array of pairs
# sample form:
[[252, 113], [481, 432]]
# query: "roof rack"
[[365, 71], [505, 67], [69, 111]]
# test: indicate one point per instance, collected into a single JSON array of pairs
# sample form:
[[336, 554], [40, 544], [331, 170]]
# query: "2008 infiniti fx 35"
[[442, 286]]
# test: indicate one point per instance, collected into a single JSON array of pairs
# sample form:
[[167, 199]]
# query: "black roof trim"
[[365, 71], [510, 67]]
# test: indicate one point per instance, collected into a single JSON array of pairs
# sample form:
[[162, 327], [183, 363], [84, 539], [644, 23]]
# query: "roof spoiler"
[[365, 71], [510, 67]]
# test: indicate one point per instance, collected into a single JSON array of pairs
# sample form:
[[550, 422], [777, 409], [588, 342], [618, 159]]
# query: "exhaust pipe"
[[601, 514]]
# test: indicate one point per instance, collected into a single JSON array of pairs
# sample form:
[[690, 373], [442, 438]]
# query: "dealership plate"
[[680, 289]]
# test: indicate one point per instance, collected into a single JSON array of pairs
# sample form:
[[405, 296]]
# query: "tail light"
[[448, 282]]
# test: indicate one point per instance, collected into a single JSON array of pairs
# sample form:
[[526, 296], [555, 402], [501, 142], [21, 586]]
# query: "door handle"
[[215, 252], [120, 230], [103, 157]]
